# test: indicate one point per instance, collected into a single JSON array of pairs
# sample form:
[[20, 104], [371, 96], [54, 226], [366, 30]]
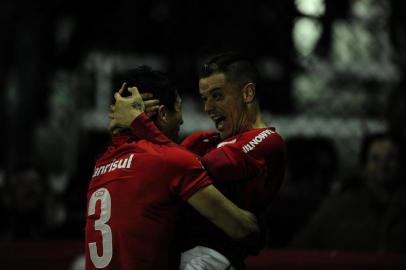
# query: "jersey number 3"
[[102, 195]]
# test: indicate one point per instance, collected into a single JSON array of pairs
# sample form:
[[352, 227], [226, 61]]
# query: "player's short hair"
[[237, 68], [151, 81]]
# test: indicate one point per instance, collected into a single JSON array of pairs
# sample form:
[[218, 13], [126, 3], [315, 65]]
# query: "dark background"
[[58, 60]]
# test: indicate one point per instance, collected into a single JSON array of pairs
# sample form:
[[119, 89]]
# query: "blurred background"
[[332, 78]]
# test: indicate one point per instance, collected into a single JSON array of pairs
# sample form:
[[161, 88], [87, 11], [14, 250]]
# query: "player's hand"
[[151, 105], [125, 109]]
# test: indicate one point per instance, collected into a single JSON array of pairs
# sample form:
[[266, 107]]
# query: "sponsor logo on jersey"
[[224, 143], [257, 140], [124, 163]]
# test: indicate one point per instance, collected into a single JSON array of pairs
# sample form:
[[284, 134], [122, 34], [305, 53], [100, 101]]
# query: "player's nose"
[[208, 106]]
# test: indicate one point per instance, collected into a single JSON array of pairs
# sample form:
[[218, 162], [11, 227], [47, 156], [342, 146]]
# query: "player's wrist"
[[133, 114]]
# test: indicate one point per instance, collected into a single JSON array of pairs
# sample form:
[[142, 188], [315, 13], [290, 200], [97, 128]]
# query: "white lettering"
[[129, 161], [101, 170], [106, 168], [94, 173], [122, 163], [256, 140], [115, 164]]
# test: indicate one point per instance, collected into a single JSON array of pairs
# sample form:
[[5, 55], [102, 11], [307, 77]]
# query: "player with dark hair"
[[245, 158], [159, 86], [137, 188]]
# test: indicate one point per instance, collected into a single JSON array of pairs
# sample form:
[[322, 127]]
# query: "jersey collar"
[[120, 138]]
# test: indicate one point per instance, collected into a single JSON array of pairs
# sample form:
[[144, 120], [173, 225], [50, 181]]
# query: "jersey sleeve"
[[253, 154], [188, 173], [144, 128], [192, 141]]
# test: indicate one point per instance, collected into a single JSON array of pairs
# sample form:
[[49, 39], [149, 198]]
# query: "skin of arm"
[[234, 221]]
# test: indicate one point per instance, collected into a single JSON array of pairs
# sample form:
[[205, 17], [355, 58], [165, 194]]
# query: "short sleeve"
[[252, 154]]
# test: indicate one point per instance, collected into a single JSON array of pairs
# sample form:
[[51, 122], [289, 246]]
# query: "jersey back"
[[132, 205]]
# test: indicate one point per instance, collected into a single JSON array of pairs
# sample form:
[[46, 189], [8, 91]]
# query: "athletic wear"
[[133, 201], [247, 168]]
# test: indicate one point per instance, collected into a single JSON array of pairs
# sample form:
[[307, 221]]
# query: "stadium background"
[[327, 67]]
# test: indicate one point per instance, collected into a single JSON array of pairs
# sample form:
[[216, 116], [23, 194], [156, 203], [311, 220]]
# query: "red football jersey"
[[257, 155], [255, 159], [132, 203], [247, 168]]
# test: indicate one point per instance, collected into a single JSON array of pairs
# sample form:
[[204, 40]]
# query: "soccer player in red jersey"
[[245, 158], [138, 187]]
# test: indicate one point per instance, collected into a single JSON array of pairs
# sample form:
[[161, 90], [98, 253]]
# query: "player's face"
[[224, 103], [174, 120]]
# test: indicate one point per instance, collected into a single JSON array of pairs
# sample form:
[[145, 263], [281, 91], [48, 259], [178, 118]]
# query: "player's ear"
[[248, 92], [162, 113]]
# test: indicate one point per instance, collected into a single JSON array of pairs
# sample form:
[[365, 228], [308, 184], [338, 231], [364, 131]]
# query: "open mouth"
[[219, 122]]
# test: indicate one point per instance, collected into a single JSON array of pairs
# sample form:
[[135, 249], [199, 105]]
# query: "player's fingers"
[[152, 108], [112, 125], [134, 92], [114, 129], [112, 107], [117, 96], [146, 96], [123, 86], [151, 111], [113, 115], [151, 102]]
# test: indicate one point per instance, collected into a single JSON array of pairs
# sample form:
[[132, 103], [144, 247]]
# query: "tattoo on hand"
[[140, 106]]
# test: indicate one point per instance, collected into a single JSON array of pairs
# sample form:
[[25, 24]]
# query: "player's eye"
[[217, 96]]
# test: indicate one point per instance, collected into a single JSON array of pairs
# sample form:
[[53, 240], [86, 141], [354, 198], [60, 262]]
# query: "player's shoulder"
[[260, 138], [180, 157], [260, 134]]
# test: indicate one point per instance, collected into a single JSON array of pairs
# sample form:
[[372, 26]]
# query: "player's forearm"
[[234, 221], [241, 225]]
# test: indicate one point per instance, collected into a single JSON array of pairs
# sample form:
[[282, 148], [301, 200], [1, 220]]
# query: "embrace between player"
[[245, 160]]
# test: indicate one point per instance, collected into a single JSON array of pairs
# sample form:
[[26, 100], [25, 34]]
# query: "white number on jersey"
[[102, 195]]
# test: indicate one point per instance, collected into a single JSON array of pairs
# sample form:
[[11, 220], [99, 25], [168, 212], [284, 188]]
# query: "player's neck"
[[256, 118], [259, 122], [250, 119]]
